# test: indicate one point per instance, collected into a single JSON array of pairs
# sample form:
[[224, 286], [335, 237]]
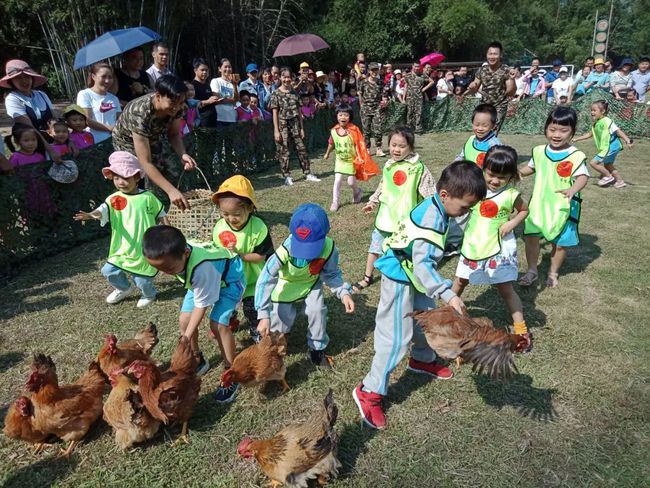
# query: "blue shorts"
[[221, 311], [609, 159], [377, 241], [569, 236]]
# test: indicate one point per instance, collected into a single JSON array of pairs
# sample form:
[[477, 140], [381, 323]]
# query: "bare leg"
[[459, 285], [558, 255], [613, 171], [599, 168], [532, 256], [226, 342], [513, 302], [370, 268]]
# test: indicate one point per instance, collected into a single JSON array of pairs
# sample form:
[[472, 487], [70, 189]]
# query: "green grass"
[[577, 415]]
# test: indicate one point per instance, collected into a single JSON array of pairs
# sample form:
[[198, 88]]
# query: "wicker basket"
[[198, 222]]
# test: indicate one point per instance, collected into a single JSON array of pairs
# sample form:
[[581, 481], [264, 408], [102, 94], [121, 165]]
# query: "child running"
[[406, 181], [489, 251], [607, 136], [242, 232], [130, 211], [410, 281], [554, 209]]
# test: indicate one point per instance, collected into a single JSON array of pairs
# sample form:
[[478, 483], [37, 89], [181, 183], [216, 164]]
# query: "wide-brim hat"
[[309, 226], [64, 172], [625, 61], [320, 76], [17, 67], [123, 164], [238, 185]]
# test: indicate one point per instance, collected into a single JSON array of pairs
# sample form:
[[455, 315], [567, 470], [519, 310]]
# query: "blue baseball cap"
[[309, 227], [557, 62], [251, 67]]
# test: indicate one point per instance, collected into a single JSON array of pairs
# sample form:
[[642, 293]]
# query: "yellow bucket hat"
[[238, 185]]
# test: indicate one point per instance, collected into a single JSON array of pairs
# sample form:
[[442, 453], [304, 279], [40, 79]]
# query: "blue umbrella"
[[113, 43]]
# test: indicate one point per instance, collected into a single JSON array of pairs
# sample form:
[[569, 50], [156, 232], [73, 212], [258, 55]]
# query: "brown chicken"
[[170, 396], [19, 424], [113, 356], [299, 452], [125, 412], [476, 341], [66, 411], [259, 363]]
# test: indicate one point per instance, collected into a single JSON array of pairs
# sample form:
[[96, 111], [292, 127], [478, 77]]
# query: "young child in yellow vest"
[[242, 232], [607, 136], [489, 250], [410, 281], [561, 172], [295, 273], [130, 211], [213, 277], [406, 181]]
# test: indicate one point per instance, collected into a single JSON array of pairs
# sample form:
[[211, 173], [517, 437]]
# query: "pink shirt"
[[307, 111], [82, 139], [60, 149], [21, 159], [245, 114]]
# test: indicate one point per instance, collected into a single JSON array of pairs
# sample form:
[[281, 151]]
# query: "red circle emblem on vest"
[[316, 266], [564, 169], [227, 238], [118, 202], [399, 177], [488, 209], [480, 159]]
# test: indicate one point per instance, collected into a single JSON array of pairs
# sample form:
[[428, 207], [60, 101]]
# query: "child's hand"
[[232, 247], [457, 304], [81, 215], [630, 143], [277, 136], [368, 207], [326, 156], [348, 303], [264, 327], [506, 229], [302, 133], [568, 193]]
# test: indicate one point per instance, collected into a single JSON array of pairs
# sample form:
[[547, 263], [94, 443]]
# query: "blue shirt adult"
[[549, 78], [250, 86], [599, 80], [640, 82]]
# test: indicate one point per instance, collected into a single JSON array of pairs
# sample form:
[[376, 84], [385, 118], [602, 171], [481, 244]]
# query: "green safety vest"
[[401, 242], [130, 217], [295, 283], [602, 137], [548, 210], [400, 182], [482, 237], [345, 153], [199, 255], [472, 154], [246, 240]]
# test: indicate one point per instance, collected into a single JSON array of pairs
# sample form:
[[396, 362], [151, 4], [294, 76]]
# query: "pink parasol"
[[300, 44], [433, 59]]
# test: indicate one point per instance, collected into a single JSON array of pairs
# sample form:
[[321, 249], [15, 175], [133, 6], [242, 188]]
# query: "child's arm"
[[522, 213], [580, 182], [584, 137], [265, 285], [93, 215], [526, 170], [426, 257], [276, 125], [330, 148], [196, 317], [5, 165], [373, 202], [628, 140], [332, 277]]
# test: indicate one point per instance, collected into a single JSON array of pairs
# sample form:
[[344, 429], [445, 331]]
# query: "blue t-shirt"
[[599, 79], [549, 78]]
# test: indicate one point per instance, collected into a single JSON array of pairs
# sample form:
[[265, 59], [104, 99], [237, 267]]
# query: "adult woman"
[[101, 106], [203, 93], [445, 85], [620, 81], [400, 89], [24, 104], [534, 83], [225, 88], [349, 82], [268, 87], [132, 80]]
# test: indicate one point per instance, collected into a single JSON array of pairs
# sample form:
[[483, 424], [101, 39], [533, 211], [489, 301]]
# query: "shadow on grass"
[[490, 304], [45, 472], [272, 218], [519, 393], [10, 359], [207, 412], [353, 441]]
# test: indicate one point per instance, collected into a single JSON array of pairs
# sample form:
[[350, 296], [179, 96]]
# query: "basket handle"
[[200, 172]]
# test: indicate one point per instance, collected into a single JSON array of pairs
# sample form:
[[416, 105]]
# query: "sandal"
[[364, 283], [528, 279], [552, 280]]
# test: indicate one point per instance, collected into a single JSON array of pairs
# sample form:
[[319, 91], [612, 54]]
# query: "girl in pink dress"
[[58, 130]]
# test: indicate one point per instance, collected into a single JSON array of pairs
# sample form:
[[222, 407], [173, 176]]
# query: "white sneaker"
[[145, 302], [311, 177], [380, 153], [288, 181], [117, 296]]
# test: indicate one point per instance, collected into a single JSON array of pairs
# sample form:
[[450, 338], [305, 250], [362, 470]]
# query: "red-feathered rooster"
[[114, 356]]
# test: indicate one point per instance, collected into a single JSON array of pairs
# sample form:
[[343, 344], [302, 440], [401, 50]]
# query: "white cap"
[[564, 69]]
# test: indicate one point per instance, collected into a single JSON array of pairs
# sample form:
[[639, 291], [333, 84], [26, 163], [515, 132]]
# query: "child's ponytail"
[[603, 104]]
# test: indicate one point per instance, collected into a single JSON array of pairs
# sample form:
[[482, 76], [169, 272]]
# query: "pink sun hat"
[[123, 164], [17, 67]]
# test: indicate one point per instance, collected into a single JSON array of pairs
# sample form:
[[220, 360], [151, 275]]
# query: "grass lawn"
[[576, 415]]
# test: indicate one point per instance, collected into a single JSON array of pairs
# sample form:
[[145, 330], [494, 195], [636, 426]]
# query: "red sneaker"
[[370, 407], [434, 369]]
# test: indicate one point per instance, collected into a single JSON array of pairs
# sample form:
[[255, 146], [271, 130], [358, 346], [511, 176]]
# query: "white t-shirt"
[[561, 87], [225, 111], [443, 89], [520, 84], [204, 277], [104, 109], [582, 170], [16, 102]]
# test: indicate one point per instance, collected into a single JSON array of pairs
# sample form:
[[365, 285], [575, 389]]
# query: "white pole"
[[593, 39], [609, 27]]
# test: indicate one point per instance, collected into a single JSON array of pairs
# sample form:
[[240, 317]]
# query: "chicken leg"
[[285, 385], [183, 436], [38, 448], [66, 453]]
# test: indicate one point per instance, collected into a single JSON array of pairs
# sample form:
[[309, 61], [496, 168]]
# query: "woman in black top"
[[132, 80], [203, 93]]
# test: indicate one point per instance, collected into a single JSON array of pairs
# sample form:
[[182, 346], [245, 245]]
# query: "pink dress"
[[60, 149], [38, 202], [308, 111], [82, 139]]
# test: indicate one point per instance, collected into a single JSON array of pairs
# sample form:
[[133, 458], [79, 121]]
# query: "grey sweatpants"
[[283, 315], [394, 331]]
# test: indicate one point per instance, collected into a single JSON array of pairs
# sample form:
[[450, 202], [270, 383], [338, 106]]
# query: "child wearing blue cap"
[[296, 272]]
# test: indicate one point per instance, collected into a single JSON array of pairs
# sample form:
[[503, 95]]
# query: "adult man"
[[589, 62], [251, 84], [550, 77], [140, 130], [641, 79], [370, 89], [303, 86], [495, 82], [416, 85], [275, 75], [462, 79], [160, 55]]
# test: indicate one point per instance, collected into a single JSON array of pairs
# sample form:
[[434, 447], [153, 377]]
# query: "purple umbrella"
[[299, 44]]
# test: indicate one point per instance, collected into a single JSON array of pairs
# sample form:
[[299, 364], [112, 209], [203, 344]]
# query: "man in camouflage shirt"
[[370, 90], [416, 85], [495, 83], [140, 130]]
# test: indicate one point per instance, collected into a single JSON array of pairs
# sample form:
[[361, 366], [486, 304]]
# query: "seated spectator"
[[579, 82], [641, 79], [598, 78], [101, 106], [589, 62], [620, 81], [132, 80], [534, 84], [562, 86]]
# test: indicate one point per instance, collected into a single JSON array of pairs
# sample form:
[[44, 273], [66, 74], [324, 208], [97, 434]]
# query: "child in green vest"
[[410, 281], [245, 234], [213, 277], [607, 136], [561, 172], [406, 181], [131, 212], [295, 273], [489, 250]]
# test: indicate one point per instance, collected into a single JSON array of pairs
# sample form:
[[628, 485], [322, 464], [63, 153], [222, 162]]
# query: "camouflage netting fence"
[[36, 212]]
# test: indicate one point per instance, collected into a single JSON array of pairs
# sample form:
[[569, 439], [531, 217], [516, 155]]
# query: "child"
[[5, 165], [306, 107], [244, 111], [131, 212], [26, 146], [243, 233], [484, 121], [410, 281], [58, 130], [489, 250], [607, 136], [352, 99], [406, 181], [258, 113], [75, 118], [554, 208], [345, 138], [213, 277], [336, 102], [296, 272], [190, 119]]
